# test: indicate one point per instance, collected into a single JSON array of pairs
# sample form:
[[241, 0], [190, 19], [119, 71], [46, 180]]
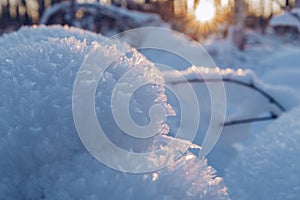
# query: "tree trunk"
[[239, 9]]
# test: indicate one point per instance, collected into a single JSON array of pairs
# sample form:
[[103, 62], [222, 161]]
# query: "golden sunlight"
[[224, 3], [205, 11]]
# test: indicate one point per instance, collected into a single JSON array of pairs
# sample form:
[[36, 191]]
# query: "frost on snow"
[[41, 154], [269, 167]]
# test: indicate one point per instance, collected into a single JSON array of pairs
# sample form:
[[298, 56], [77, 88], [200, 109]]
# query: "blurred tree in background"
[[180, 13]]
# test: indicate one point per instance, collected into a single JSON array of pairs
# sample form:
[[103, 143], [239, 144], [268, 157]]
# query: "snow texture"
[[269, 166], [41, 154]]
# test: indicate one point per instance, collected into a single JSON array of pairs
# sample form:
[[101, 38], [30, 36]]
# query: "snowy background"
[[256, 156]]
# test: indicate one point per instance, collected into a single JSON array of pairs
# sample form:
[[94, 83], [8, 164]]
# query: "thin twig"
[[250, 120], [251, 86]]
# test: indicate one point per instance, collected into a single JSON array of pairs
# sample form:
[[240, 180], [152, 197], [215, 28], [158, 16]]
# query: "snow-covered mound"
[[285, 19], [269, 167], [27, 36], [41, 154], [296, 12], [252, 91], [104, 19], [246, 97]]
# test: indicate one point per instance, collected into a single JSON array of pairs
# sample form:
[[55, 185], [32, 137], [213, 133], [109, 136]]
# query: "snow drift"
[[41, 154], [269, 166]]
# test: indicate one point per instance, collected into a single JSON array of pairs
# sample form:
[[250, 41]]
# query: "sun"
[[203, 20], [205, 11]]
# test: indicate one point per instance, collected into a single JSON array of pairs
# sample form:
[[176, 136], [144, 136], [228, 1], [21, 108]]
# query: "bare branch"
[[249, 85], [250, 120]]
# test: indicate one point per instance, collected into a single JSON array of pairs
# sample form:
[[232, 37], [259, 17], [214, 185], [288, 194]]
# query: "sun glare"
[[224, 3], [205, 11]]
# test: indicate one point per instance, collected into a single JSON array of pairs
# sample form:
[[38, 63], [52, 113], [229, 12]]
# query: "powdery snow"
[[41, 154], [269, 166]]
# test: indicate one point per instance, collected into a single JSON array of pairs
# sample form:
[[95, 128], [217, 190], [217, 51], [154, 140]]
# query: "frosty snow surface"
[[269, 167], [42, 156]]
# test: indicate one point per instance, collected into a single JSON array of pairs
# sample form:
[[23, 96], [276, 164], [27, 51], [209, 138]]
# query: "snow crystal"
[[41, 154]]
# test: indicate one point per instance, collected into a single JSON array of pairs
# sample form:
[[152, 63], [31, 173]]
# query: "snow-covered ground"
[[43, 158], [268, 62], [267, 163], [271, 64], [268, 167]]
